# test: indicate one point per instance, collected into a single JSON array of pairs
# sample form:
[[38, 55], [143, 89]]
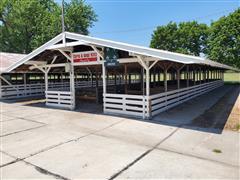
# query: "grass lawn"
[[232, 77]]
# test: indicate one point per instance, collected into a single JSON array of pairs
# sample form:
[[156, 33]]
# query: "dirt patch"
[[233, 122], [222, 115]]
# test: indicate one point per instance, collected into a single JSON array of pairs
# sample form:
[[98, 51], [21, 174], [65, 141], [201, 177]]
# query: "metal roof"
[[9, 59], [139, 50]]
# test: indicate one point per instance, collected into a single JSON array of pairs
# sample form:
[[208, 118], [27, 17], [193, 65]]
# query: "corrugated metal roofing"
[[9, 59], [140, 50]]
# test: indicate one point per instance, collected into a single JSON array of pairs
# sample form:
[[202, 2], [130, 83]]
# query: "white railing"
[[133, 105], [62, 99], [163, 101], [15, 91]]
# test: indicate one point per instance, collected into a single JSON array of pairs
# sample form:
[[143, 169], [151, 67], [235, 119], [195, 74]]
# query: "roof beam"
[[36, 63], [65, 46]]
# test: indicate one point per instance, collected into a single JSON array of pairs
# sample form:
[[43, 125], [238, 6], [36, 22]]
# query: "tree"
[[165, 37], [224, 40], [79, 17], [27, 24], [186, 37], [192, 38]]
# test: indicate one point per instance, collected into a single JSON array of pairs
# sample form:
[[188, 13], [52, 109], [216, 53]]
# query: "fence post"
[[124, 103], [144, 108], [0, 88]]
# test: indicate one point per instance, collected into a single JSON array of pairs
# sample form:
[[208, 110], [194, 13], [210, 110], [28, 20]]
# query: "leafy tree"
[[187, 37], [192, 38], [165, 37], [74, 11], [27, 24], [224, 40]]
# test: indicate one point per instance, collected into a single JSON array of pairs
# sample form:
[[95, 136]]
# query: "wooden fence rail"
[[146, 107], [133, 105], [163, 101], [62, 99], [17, 91]]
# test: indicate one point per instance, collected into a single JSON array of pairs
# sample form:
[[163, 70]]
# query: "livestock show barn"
[[120, 78]]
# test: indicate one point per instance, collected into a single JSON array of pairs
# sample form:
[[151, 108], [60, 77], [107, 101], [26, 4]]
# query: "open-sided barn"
[[126, 79]]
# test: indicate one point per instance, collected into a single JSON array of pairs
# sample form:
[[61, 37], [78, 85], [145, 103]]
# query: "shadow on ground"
[[208, 112]]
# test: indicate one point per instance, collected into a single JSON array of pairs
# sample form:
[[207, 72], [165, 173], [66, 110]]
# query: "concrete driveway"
[[44, 143]]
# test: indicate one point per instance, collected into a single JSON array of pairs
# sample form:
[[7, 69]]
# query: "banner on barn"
[[87, 56]]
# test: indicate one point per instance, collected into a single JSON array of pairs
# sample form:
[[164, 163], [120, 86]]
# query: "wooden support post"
[[129, 78], [115, 82], [72, 84], [178, 78], [165, 80], [0, 88], [200, 76], [187, 75], [194, 77], [46, 80], [159, 76], [207, 75], [24, 82], [204, 75], [154, 77], [125, 79], [147, 82], [142, 81], [104, 79], [96, 87]]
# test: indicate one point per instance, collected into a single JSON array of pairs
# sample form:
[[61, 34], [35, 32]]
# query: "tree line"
[[220, 41], [27, 24]]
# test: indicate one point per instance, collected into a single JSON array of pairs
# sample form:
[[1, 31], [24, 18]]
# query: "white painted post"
[[165, 80], [46, 80], [194, 77], [178, 78], [148, 91], [24, 82], [207, 75], [72, 84], [204, 75], [104, 78], [0, 88], [187, 76], [200, 75], [147, 83]]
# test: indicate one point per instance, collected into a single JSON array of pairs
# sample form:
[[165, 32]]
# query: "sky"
[[133, 21]]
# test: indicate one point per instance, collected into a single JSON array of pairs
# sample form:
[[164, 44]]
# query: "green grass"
[[232, 77], [238, 127], [217, 151]]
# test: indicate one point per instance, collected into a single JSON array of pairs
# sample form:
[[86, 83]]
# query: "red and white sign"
[[87, 56]]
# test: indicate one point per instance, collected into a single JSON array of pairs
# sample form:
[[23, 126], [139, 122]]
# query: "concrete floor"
[[44, 143]]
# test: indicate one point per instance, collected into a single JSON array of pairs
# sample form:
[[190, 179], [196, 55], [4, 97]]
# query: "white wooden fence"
[[146, 107], [133, 105], [17, 91], [163, 101], [62, 99]]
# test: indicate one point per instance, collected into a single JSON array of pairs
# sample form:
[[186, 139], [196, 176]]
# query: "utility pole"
[[63, 24]]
